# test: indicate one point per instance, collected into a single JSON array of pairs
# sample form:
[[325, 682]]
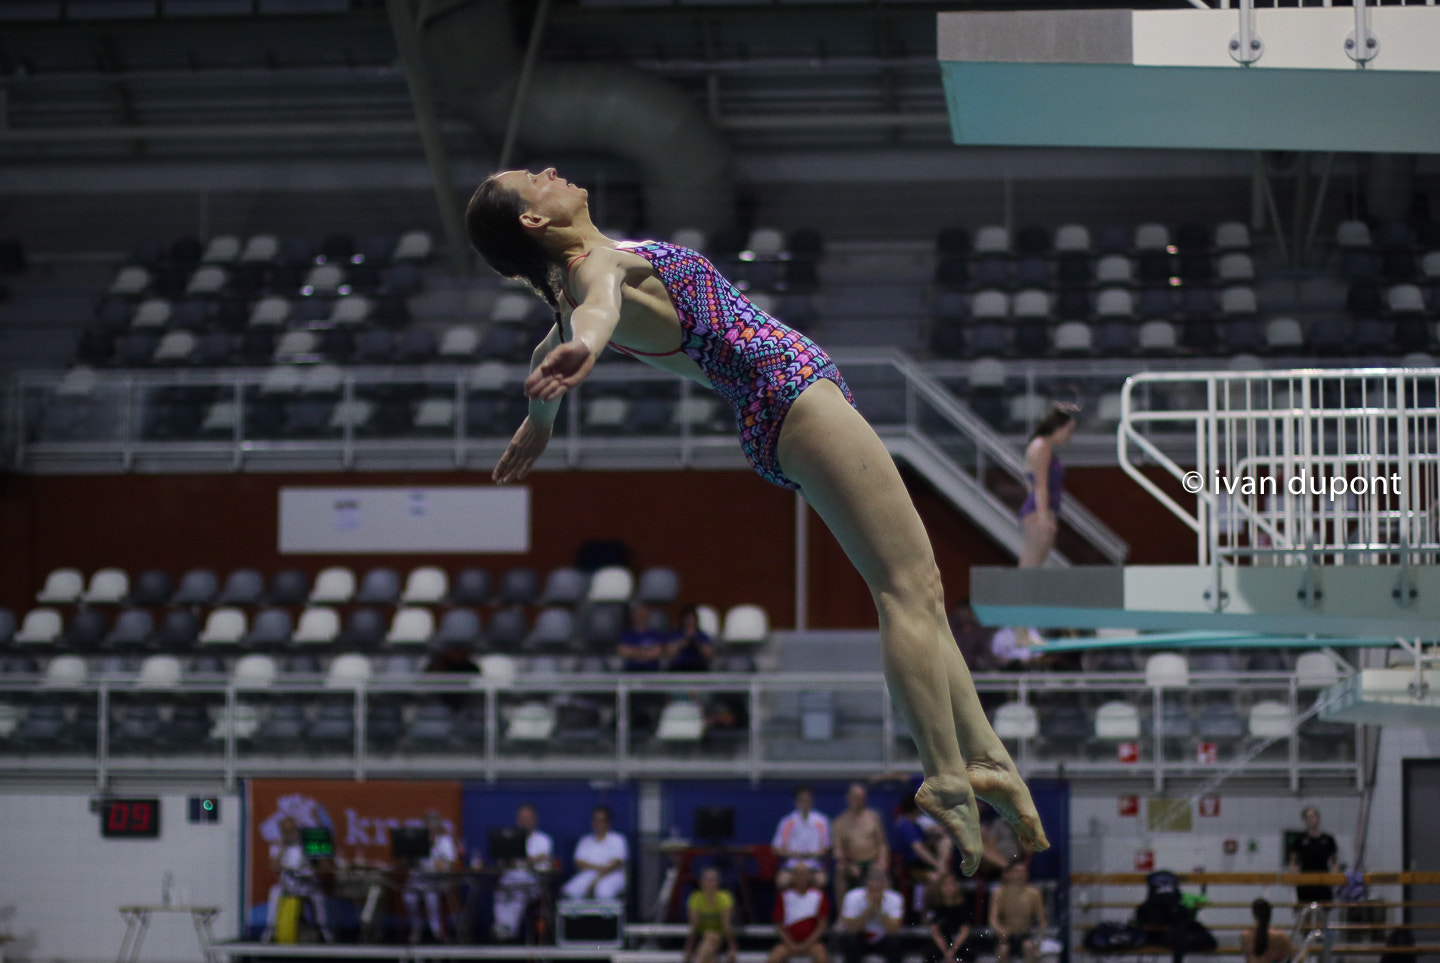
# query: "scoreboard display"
[[130, 818]]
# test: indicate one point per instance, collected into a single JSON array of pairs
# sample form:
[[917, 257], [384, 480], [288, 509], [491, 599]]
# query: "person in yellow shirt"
[[711, 909]]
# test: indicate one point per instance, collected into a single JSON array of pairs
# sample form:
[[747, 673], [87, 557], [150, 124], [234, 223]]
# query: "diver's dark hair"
[[492, 219], [1061, 413], [1261, 909]]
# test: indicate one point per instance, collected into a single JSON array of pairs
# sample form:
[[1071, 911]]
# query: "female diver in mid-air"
[[669, 307]]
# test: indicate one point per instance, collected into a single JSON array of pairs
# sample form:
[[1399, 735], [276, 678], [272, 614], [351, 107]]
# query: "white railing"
[[853, 730], [1294, 467]]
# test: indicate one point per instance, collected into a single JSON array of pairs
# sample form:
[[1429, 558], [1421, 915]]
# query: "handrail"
[[1361, 450], [126, 393], [994, 448], [760, 751]]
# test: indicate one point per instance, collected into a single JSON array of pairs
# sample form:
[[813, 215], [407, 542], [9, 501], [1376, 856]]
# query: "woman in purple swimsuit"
[[1046, 476], [669, 307]]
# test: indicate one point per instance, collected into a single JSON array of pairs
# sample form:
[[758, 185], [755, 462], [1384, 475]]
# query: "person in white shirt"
[[295, 877], [600, 860], [870, 919], [519, 884], [430, 879], [802, 837]]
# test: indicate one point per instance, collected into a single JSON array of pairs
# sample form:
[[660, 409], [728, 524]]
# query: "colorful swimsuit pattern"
[[756, 363]]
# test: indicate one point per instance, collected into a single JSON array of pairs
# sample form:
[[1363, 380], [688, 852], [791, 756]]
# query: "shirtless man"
[[1017, 915], [860, 842]]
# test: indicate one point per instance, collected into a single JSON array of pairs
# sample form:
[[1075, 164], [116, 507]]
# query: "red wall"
[[730, 536]]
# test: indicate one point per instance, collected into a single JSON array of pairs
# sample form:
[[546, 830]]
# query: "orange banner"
[[359, 816]]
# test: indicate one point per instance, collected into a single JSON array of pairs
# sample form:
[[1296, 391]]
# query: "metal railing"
[[125, 420], [757, 726], [1295, 467]]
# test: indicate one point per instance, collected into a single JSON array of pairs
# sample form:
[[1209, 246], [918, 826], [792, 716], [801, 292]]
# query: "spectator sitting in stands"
[[710, 909], [1017, 915], [430, 879], [951, 917], [1265, 944], [641, 647], [689, 649], [870, 919], [919, 852], [802, 912], [600, 860], [802, 838], [1009, 652], [519, 884]]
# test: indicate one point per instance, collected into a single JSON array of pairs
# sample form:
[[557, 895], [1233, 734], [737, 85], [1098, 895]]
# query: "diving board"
[[1331, 602], [1205, 640]]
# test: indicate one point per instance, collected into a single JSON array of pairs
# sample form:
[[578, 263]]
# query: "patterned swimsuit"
[[758, 364]]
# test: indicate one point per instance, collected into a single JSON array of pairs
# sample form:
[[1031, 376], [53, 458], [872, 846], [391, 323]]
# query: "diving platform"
[[1360, 604], [1291, 78]]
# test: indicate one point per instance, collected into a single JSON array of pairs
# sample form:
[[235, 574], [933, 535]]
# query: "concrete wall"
[[61, 884]]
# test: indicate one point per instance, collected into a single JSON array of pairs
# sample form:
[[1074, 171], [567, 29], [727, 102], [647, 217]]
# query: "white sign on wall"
[[404, 520]]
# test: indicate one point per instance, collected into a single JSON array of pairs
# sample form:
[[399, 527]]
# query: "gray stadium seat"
[[364, 630], [132, 630], [152, 587], [270, 630], [381, 586], [178, 631], [458, 627], [470, 587], [197, 587], [554, 631], [658, 586], [564, 586], [289, 587], [507, 629], [244, 586], [518, 586]]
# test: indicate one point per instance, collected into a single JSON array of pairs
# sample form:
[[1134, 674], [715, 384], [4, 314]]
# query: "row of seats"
[[1036, 241], [211, 282], [1065, 728], [355, 329], [1388, 235], [1120, 338], [272, 312], [338, 585], [192, 414], [187, 253], [429, 417], [1075, 270], [288, 725], [1235, 301], [591, 628]]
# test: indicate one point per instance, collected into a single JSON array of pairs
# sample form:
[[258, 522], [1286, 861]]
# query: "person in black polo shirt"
[[1313, 852]]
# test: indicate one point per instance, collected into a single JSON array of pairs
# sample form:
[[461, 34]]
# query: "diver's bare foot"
[[949, 801], [999, 784]]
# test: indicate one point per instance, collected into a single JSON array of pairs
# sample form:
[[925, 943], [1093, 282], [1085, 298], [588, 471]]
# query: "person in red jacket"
[[802, 911]]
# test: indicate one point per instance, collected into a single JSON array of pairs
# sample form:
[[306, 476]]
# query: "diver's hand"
[[563, 368], [527, 445]]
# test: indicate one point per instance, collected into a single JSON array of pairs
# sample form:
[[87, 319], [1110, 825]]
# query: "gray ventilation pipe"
[[474, 64]]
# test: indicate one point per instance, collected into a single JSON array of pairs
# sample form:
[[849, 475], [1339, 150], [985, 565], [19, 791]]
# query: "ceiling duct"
[[474, 64]]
